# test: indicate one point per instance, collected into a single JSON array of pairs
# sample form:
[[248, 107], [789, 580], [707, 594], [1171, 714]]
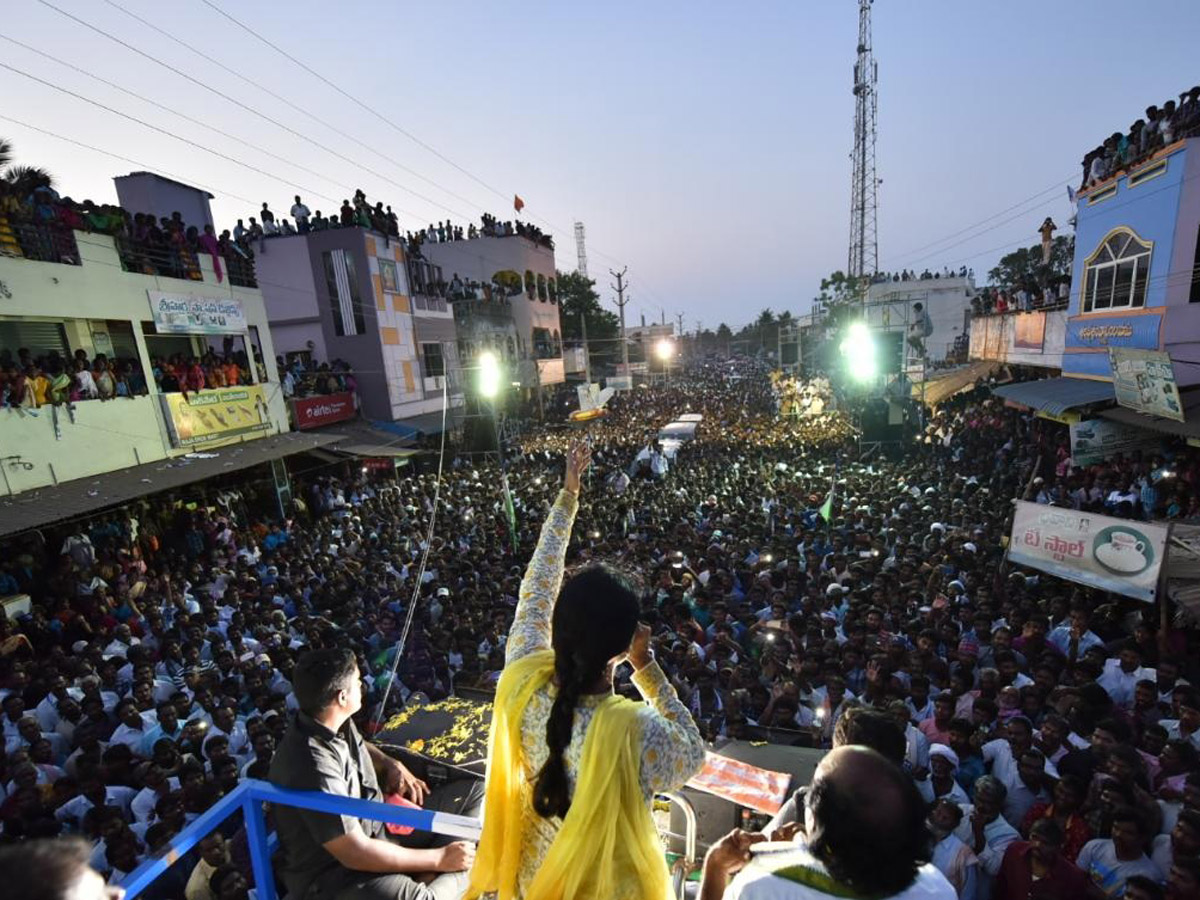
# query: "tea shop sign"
[[1118, 555]]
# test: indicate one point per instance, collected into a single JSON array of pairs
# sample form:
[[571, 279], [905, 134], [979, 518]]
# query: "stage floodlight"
[[858, 348], [489, 375]]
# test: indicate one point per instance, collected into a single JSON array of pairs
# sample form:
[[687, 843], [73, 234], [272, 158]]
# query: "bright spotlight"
[[858, 347], [664, 349], [489, 375]]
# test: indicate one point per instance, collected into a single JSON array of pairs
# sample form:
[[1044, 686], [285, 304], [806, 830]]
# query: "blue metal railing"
[[249, 797]]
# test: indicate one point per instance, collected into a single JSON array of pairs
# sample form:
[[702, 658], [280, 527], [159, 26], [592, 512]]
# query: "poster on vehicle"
[[1145, 380], [214, 417], [1095, 440], [1118, 555]]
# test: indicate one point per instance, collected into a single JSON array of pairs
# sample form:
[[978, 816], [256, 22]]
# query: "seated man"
[[866, 836], [343, 857]]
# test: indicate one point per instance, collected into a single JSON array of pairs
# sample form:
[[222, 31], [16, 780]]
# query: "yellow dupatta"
[[607, 847]]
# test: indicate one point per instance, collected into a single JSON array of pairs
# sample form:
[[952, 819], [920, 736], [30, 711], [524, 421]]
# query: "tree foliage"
[[580, 302], [1024, 266]]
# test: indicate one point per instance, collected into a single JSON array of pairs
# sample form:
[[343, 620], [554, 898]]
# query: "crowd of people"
[[1173, 121], [927, 274], [42, 226], [181, 373], [28, 382], [1021, 298], [786, 585]]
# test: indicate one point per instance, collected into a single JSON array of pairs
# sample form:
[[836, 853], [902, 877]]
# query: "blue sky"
[[705, 146]]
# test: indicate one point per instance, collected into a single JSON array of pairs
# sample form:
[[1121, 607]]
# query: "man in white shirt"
[[300, 213], [132, 730], [864, 835], [986, 831], [951, 856], [1121, 675], [1187, 726]]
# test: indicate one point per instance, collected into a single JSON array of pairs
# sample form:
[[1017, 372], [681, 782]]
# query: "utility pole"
[[679, 329], [581, 268], [620, 288]]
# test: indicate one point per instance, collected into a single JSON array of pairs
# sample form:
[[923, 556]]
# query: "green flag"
[[826, 510], [510, 512]]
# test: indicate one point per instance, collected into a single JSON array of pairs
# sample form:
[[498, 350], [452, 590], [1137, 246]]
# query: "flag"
[[826, 510], [510, 512], [518, 203]]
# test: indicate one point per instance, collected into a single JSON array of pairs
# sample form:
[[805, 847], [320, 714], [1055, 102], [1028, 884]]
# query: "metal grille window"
[[435, 364], [341, 280], [1116, 274]]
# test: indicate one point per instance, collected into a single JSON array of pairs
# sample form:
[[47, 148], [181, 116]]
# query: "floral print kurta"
[[672, 749]]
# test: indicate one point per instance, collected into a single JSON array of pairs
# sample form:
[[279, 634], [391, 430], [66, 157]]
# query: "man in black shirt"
[[344, 857]]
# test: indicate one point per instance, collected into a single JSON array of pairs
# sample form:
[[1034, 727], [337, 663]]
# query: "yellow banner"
[[214, 417], [1066, 418]]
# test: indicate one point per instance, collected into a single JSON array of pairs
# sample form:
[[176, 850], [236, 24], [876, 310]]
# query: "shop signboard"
[[1118, 555], [1144, 380], [1102, 332], [189, 314], [214, 417], [324, 409], [1095, 440]]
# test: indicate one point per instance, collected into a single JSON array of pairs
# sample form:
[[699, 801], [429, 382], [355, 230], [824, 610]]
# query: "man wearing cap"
[[941, 783]]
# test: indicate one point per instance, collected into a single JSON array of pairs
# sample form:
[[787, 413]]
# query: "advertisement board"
[[214, 417], [313, 412], [1095, 440], [1114, 331], [1117, 555], [1145, 380], [1029, 331], [188, 314]]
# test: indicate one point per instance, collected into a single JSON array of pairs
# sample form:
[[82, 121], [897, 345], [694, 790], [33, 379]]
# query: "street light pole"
[[489, 388]]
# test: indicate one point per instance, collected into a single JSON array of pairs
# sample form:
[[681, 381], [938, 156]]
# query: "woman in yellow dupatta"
[[572, 768]]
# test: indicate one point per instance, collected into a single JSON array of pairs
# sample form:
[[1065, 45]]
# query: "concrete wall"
[[996, 338], [946, 300], [147, 192], [121, 432]]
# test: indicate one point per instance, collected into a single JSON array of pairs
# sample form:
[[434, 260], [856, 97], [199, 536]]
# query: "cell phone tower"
[[580, 249], [864, 237]]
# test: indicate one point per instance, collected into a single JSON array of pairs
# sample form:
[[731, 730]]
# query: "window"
[[435, 365], [388, 278], [1116, 274], [341, 280]]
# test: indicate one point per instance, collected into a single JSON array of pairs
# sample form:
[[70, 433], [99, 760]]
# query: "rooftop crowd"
[[28, 382], [152, 672], [41, 225], [1173, 121]]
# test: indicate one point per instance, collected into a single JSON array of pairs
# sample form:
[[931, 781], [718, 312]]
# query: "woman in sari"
[[573, 767]]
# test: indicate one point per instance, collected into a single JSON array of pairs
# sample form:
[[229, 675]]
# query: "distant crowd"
[[1162, 126]]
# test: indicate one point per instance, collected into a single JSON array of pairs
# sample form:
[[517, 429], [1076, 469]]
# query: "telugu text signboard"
[[188, 314], [313, 412], [214, 417], [1144, 380], [1115, 555], [1095, 440]]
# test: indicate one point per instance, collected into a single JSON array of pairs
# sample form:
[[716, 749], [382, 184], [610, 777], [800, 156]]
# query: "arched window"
[[1116, 274]]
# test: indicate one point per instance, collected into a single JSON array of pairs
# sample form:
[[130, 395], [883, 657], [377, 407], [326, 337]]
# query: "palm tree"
[[22, 179]]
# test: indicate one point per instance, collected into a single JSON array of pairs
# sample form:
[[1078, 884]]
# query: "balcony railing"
[[42, 242]]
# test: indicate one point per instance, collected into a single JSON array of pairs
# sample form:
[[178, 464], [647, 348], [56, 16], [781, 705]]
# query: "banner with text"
[[188, 314], [1095, 440], [1117, 555], [220, 416], [1145, 380], [313, 412]]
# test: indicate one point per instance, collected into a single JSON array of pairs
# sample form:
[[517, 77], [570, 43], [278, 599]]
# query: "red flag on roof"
[[518, 203]]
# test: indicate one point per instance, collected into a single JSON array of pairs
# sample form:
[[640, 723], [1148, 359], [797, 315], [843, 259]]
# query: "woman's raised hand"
[[579, 457]]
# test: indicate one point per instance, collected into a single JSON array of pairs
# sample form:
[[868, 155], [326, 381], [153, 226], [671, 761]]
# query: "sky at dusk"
[[705, 146]]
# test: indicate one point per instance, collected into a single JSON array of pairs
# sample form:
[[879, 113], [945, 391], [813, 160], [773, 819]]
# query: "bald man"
[[866, 835]]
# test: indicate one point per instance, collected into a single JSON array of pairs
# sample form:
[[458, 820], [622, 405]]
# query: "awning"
[[360, 439], [950, 383], [90, 496], [1057, 395], [426, 423], [1189, 428]]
